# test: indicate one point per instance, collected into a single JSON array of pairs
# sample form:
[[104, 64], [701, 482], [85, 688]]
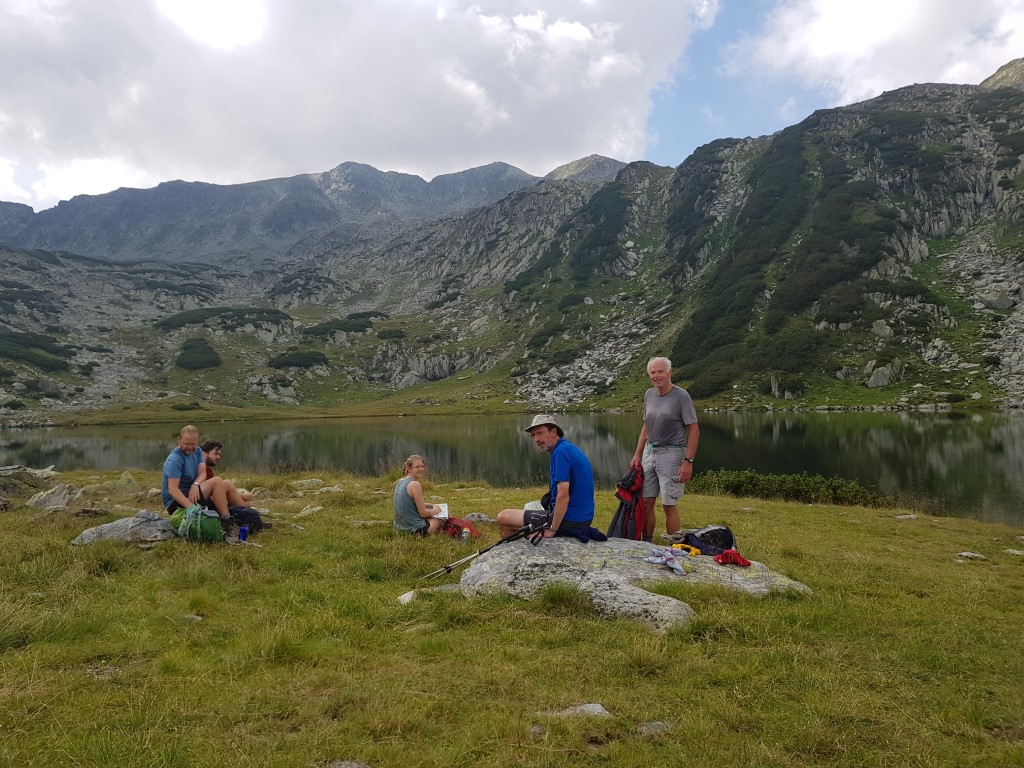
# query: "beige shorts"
[[661, 473]]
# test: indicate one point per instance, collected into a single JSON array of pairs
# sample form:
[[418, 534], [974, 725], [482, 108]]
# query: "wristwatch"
[[687, 459]]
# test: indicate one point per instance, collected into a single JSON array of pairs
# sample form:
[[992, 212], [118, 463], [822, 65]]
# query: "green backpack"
[[197, 523]]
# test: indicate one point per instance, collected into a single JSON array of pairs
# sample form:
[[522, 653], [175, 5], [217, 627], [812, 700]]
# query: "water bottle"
[[243, 533], [464, 535]]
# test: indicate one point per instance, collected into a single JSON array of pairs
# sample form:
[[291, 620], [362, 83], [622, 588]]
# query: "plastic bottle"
[[243, 533], [465, 534]]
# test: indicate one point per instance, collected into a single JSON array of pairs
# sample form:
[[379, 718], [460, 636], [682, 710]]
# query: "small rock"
[[55, 498], [192, 617], [906, 517], [649, 729], [479, 517], [307, 511], [330, 489], [306, 485], [592, 710], [971, 556], [1017, 552]]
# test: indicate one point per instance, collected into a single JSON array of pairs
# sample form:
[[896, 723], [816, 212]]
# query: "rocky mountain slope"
[[870, 256], [247, 224]]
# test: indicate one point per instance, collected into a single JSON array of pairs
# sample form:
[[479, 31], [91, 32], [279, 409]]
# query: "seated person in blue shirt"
[[184, 474], [572, 487]]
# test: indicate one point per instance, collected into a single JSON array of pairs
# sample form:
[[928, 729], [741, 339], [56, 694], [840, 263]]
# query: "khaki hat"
[[543, 420]]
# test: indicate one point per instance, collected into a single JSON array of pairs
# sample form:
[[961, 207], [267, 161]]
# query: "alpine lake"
[[949, 463]]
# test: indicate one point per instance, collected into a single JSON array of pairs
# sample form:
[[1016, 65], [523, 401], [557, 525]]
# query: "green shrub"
[[367, 316], [329, 327], [955, 397], [391, 333], [14, 405], [992, 360], [189, 317], [36, 349], [803, 488], [447, 298], [570, 300], [298, 359], [193, 406], [197, 354]]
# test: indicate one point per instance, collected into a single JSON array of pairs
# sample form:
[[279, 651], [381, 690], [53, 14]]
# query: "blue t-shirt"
[[569, 463], [185, 468]]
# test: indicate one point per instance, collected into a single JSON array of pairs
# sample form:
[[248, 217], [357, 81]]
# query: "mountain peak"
[[1010, 75], [589, 168]]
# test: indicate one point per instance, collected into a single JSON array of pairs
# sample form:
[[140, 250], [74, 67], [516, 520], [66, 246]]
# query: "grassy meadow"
[[296, 652]]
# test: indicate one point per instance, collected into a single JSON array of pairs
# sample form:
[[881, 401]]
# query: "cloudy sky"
[[99, 94]]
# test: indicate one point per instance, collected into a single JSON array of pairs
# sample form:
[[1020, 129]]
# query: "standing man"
[[571, 486], [667, 445]]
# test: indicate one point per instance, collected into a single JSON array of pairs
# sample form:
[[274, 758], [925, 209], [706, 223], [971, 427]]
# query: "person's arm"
[[561, 505], [640, 445], [174, 489], [415, 490], [692, 438], [195, 492]]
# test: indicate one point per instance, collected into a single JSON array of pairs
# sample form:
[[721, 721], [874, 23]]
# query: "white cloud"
[[88, 177], [223, 24], [423, 86], [11, 190], [854, 51]]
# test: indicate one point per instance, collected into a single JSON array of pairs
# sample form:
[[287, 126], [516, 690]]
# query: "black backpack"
[[711, 539]]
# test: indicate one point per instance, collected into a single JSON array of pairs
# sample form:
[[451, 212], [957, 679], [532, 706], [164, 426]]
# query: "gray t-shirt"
[[667, 415]]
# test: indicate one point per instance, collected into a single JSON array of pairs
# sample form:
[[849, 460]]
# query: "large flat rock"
[[612, 573]]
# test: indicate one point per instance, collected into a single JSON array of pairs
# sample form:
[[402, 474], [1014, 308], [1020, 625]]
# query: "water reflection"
[[967, 466]]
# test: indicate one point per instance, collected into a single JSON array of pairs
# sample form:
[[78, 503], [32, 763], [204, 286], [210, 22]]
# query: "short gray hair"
[[665, 360]]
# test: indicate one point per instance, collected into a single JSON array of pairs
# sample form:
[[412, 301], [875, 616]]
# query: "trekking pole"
[[533, 532]]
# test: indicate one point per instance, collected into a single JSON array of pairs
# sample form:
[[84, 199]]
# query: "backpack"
[[197, 523], [247, 516], [454, 526], [628, 520], [711, 539]]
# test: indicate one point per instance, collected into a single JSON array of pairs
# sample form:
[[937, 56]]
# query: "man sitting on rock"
[[571, 509]]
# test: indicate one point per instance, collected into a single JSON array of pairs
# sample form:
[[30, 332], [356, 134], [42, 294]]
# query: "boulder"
[[55, 498], [144, 527], [611, 574]]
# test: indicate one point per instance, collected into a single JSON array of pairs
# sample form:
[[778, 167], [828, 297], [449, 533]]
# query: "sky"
[[101, 94]]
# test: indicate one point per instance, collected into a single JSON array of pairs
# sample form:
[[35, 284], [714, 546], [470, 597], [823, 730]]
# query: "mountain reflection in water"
[[947, 463]]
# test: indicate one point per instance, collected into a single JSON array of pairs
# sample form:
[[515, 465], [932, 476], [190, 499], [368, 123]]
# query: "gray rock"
[[145, 526], [610, 574], [1017, 552], [587, 710], [649, 729], [408, 597], [971, 556], [479, 517], [55, 498], [906, 517], [306, 485]]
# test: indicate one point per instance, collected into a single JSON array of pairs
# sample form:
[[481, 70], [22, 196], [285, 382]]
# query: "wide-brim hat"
[[543, 420]]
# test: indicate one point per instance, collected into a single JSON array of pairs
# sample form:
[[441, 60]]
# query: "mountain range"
[[868, 256]]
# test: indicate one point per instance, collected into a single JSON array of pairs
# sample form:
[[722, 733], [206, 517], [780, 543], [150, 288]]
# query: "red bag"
[[454, 526]]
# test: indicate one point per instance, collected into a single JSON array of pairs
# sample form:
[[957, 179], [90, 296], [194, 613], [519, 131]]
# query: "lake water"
[[946, 463]]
